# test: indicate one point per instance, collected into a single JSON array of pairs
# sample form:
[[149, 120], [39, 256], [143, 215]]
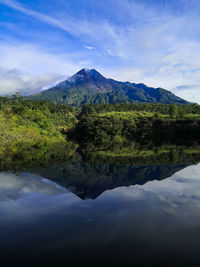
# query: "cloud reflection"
[[177, 196]]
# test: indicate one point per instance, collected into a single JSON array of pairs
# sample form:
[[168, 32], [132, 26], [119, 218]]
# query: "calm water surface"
[[99, 214]]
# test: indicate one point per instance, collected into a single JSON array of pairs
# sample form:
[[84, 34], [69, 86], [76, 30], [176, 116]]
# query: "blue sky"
[[156, 42]]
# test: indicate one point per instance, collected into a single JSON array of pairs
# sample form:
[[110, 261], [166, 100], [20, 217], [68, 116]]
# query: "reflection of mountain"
[[91, 180]]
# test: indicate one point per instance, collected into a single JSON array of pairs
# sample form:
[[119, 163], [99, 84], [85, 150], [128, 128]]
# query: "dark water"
[[78, 213]]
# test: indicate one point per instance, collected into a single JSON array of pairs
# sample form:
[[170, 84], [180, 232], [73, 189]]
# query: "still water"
[[78, 213]]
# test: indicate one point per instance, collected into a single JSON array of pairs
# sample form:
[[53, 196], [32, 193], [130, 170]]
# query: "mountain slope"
[[89, 86]]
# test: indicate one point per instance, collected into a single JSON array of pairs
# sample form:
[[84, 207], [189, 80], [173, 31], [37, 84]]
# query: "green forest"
[[26, 124], [39, 133], [32, 130], [105, 126]]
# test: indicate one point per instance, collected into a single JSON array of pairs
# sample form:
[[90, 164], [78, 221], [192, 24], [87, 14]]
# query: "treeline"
[[171, 110], [42, 113], [105, 132], [104, 126], [137, 155], [20, 105]]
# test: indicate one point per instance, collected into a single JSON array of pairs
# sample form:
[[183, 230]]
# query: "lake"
[[78, 212]]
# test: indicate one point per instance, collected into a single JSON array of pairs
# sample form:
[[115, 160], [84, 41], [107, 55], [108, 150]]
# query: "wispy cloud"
[[12, 80], [89, 47], [136, 41], [11, 187], [68, 24], [33, 59], [37, 15], [28, 69]]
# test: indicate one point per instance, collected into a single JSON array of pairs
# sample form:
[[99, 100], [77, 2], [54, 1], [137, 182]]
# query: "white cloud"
[[11, 187], [89, 47], [190, 92], [156, 47], [67, 23], [28, 69], [13, 80], [126, 74], [34, 60], [48, 19]]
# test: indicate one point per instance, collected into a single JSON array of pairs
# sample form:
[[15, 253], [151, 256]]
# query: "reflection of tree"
[[28, 156], [173, 156]]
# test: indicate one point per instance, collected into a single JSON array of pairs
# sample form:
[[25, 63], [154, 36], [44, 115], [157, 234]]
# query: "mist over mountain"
[[89, 86]]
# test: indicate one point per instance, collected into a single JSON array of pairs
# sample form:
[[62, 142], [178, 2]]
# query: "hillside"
[[26, 124], [89, 86]]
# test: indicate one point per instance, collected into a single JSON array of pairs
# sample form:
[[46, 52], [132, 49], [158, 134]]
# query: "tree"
[[173, 111], [16, 96]]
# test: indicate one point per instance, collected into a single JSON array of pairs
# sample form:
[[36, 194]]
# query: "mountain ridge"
[[89, 86]]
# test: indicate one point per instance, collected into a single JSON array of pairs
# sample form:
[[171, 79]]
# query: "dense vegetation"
[[26, 124], [147, 138], [31, 130], [42, 133], [103, 126], [134, 155], [160, 109]]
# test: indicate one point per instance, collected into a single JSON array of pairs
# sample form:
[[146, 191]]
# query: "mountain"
[[89, 86]]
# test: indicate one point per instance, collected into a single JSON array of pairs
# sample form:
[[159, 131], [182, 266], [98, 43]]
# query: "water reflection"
[[158, 222], [90, 180], [14, 187]]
